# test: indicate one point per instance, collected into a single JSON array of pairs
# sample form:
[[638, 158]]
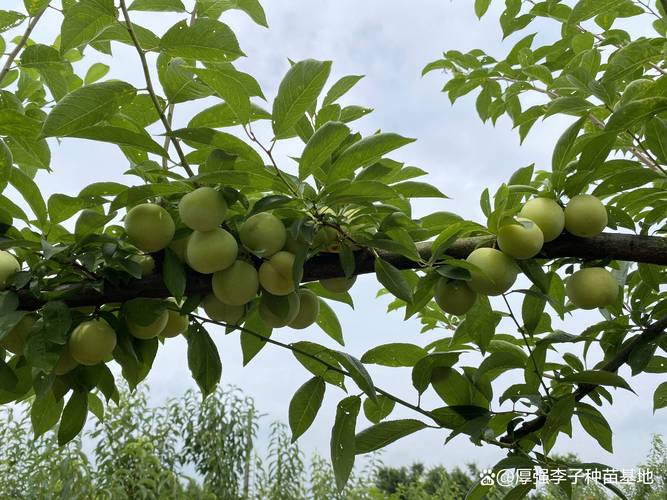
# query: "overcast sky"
[[389, 41]]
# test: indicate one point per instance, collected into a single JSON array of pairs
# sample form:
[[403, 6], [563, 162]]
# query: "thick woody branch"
[[646, 249], [612, 365]]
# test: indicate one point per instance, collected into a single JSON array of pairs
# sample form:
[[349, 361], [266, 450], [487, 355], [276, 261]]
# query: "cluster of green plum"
[[540, 220]]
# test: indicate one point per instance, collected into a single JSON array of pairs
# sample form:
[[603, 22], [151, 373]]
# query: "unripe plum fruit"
[[326, 239], [592, 287], [147, 264], [225, 313], [338, 285], [454, 296], [521, 241], [211, 251], [176, 323], [276, 275], [585, 216], [150, 331], [66, 363], [15, 340], [309, 309], [278, 311], [498, 271], [237, 285], [203, 209], [92, 342], [547, 214], [263, 234], [149, 227], [9, 266]]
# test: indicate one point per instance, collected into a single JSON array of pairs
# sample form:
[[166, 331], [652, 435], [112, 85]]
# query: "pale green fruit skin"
[[237, 285], [149, 227], [519, 241], [87, 310], [276, 274], [211, 251], [288, 304], [338, 285], [454, 297], [15, 340], [263, 234], [217, 311], [176, 323], [92, 342], [179, 246], [326, 239], [203, 209], [309, 310], [585, 216], [547, 214], [150, 331], [500, 271], [9, 266], [66, 363], [147, 264], [592, 287]]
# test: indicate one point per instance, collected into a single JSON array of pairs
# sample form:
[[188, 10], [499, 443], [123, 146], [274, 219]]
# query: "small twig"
[[167, 139], [151, 89], [19, 46]]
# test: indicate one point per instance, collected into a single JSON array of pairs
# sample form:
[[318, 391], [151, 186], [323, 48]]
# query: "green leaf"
[[298, 91], [87, 106], [252, 344], [342, 443], [84, 21], [96, 72], [597, 377], [10, 19], [203, 359], [587, 9], [30, 192], [395, 355], [479, 324], [35, 6], [380, 435], [304, 406], [228, 85], [656, 138], [17, 124], [563, 151], [375, 412], [8, 379], [571, 105], [595, 425], [340, 88], [73, 417], [173, 273], [214, 8], [121, 137], [393, 280], [221, 140], [366, 151], [367, 192], [421, 373], [222, 115], [158, 5], [357, 372], [558, 417], [627, 116], [6, 162], [328, 322], [660, 397], [45, 413], [178, 81], [206, 40], [481, 6], [321, 146]]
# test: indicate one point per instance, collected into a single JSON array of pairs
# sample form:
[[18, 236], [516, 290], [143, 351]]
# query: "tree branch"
[[151, 90], [24, 39], [625, 247], [650, 334]]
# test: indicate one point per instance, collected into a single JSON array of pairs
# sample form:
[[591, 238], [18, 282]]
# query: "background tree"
[[218, 220]]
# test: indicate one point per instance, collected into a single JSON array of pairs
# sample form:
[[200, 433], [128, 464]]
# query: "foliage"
[[345, 205]]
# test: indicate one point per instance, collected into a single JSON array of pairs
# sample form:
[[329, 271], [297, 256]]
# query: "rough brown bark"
[[646, 249]]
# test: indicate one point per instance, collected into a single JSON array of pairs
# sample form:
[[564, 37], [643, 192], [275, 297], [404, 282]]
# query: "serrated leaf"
[[384, 433], [206, 40], [597, 377], [304, 406], [203, 359], [328, 322], [227, 84], [30, 192], [73, 417], [340, 88], [393, 280], [298, 91], [342, 443], [221, 115], [321, 146], [121, 137], [86, 107], [397, 354], [563, 151], [84, 21], [357, 372]]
